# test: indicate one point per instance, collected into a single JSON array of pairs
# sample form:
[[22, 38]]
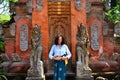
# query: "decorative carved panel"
[[59, 20], [24, 37], [60, 8], [105, 28], [88, 5], [117, 30], [94, 36], [59, 25], [12, 29], [39, 5], [29, 6], [77, 4]]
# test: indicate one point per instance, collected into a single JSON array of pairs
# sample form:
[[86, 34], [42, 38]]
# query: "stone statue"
[[107, 5], [77, 4], [82, 51], [36, 65], [16, 57]]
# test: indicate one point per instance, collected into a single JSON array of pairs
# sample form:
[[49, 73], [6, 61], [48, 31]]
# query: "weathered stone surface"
[[10, 48], [43, 21], [24, 37], [12, 29], [77, 4], [24, 54], [117, 30], [36, 70], [94, 36]]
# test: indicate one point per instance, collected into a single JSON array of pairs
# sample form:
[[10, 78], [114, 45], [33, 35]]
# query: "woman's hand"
[[64, 58], [57, 58]]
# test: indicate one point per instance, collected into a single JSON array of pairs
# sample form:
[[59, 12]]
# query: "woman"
[[60, 54]]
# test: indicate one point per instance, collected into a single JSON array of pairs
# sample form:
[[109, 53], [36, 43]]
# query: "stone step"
[[69, 75]]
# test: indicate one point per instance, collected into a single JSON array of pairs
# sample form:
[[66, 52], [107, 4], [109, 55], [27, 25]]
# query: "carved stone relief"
[[39, 5], [88, 5], [29, 6], [117, 30], [12, 29], [94, 36], [16, 57], [105, 28], [107, 5], [77, 4], [23, 37], [59, 25]]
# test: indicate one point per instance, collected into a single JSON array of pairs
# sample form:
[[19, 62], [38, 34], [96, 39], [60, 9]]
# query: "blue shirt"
[[59, 51]]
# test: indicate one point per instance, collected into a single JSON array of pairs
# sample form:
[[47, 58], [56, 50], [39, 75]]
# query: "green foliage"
[[4, 18], [114, 14], [103, 0], [14, 1], [1, 45], [3, 77]]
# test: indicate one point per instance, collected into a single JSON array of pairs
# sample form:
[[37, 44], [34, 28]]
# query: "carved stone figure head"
[[77, 4], [39, 5], [36, 34], [81, 31]]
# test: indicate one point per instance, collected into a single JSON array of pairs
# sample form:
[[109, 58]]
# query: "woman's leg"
[[59, 70]]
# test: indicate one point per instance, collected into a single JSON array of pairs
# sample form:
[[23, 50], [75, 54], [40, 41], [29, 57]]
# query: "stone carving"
[[13, 29], [36, 71], [23, 37], [107, 5], [82, 52], [117, 30], [105, 28], [77, 4], [29, 6], [88, 5], [39, 5], [94, 36], [16, 57], [5, 57]]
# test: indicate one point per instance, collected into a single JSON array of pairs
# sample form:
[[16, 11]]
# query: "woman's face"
[[59, 40]]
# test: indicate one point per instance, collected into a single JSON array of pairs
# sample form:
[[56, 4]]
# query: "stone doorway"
[[59, 22]]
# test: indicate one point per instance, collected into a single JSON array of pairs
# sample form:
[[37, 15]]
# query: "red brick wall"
[[41, 18], [77, 17]]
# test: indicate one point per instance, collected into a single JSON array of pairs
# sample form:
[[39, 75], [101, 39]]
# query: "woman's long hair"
[[56, 40]]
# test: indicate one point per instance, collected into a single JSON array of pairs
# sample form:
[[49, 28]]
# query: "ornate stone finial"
[[88, 6], [77, 4], [39, 5]]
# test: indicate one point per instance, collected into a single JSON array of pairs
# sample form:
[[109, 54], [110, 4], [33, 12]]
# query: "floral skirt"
[[59, 70]]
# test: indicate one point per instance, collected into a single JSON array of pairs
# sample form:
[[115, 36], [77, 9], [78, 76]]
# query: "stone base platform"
[[34, 78]]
